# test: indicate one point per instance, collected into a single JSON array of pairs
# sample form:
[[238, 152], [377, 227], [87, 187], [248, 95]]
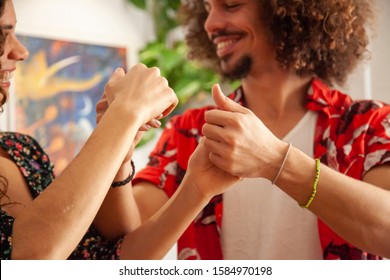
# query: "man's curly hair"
[[321, 38]]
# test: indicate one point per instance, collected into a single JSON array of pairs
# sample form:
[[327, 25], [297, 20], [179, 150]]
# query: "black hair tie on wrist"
[[125, 181]]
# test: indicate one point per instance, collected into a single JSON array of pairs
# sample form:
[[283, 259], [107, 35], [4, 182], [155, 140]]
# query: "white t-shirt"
[[260, 221]]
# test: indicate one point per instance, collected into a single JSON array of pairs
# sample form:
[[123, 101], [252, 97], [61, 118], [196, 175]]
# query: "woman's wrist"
[[192, 186], [130, 112], [125, 172]]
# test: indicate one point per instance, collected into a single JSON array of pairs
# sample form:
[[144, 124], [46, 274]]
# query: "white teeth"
[[224, 44], [5, 76]]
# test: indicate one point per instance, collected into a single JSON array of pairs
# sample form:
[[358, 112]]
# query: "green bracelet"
[[316, 179]]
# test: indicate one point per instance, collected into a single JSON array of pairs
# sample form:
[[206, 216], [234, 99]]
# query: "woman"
[[39, 213]]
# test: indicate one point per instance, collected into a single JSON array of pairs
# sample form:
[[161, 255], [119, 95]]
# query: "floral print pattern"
[[37, 169]]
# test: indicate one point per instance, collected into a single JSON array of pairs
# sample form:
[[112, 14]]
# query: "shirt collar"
[[320, 97]]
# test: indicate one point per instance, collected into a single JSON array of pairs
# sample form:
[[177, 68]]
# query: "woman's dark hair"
[[321, 38]]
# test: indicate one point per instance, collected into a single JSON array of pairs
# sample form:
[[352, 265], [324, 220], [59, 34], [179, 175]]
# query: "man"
[[286, 55]]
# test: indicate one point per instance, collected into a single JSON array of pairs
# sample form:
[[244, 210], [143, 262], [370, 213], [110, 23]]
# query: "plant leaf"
[[139, 3]]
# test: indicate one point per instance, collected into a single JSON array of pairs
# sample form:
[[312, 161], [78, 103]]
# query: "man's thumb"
[[225, 103]]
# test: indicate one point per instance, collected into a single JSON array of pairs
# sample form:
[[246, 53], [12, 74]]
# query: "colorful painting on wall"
[[57, 89]]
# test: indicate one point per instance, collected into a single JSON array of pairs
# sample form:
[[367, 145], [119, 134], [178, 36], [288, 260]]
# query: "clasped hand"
[[144, 92], [237, 140]]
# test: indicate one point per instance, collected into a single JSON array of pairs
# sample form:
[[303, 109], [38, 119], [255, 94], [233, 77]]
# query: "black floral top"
[[37, 169]]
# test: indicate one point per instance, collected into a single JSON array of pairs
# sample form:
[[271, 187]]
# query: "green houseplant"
[[187, 78]]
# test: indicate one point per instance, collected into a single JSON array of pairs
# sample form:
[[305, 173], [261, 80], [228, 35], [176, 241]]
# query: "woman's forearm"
[[157, 235], [119, 212], [64, 211]]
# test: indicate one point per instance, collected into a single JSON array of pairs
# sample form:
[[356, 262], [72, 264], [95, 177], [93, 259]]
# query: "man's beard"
[[240, 70]]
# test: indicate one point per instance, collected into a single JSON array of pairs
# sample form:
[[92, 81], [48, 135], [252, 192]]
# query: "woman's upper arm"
[[149, 198]]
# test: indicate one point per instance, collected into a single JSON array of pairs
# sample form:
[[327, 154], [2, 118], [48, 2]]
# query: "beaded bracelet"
[[317, 177], [125, 181]]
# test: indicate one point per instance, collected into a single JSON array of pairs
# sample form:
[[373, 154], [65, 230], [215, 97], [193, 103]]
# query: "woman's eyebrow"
[[7, 26]]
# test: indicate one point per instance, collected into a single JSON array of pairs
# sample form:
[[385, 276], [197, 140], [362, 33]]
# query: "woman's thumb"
[[115, 77], [119, 73]]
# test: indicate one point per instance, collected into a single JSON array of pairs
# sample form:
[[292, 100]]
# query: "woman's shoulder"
[[30, 158], [8, 137], [13, 141]]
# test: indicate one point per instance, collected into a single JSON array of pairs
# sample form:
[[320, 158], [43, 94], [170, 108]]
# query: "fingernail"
[[156, 123]]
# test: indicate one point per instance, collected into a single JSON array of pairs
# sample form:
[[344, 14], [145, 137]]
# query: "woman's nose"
[[18, 50]]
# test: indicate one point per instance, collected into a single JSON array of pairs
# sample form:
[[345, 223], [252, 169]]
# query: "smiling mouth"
[[225, 47], [5, 77], [225, 44]]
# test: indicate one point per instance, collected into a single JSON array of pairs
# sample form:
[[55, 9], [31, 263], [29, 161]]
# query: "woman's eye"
[[231, 6]]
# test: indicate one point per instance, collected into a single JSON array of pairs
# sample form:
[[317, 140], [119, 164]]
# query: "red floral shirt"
[[351, 137]]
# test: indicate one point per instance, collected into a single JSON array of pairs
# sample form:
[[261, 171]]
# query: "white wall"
[[105, 22], [371, 80], [381, 56]]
